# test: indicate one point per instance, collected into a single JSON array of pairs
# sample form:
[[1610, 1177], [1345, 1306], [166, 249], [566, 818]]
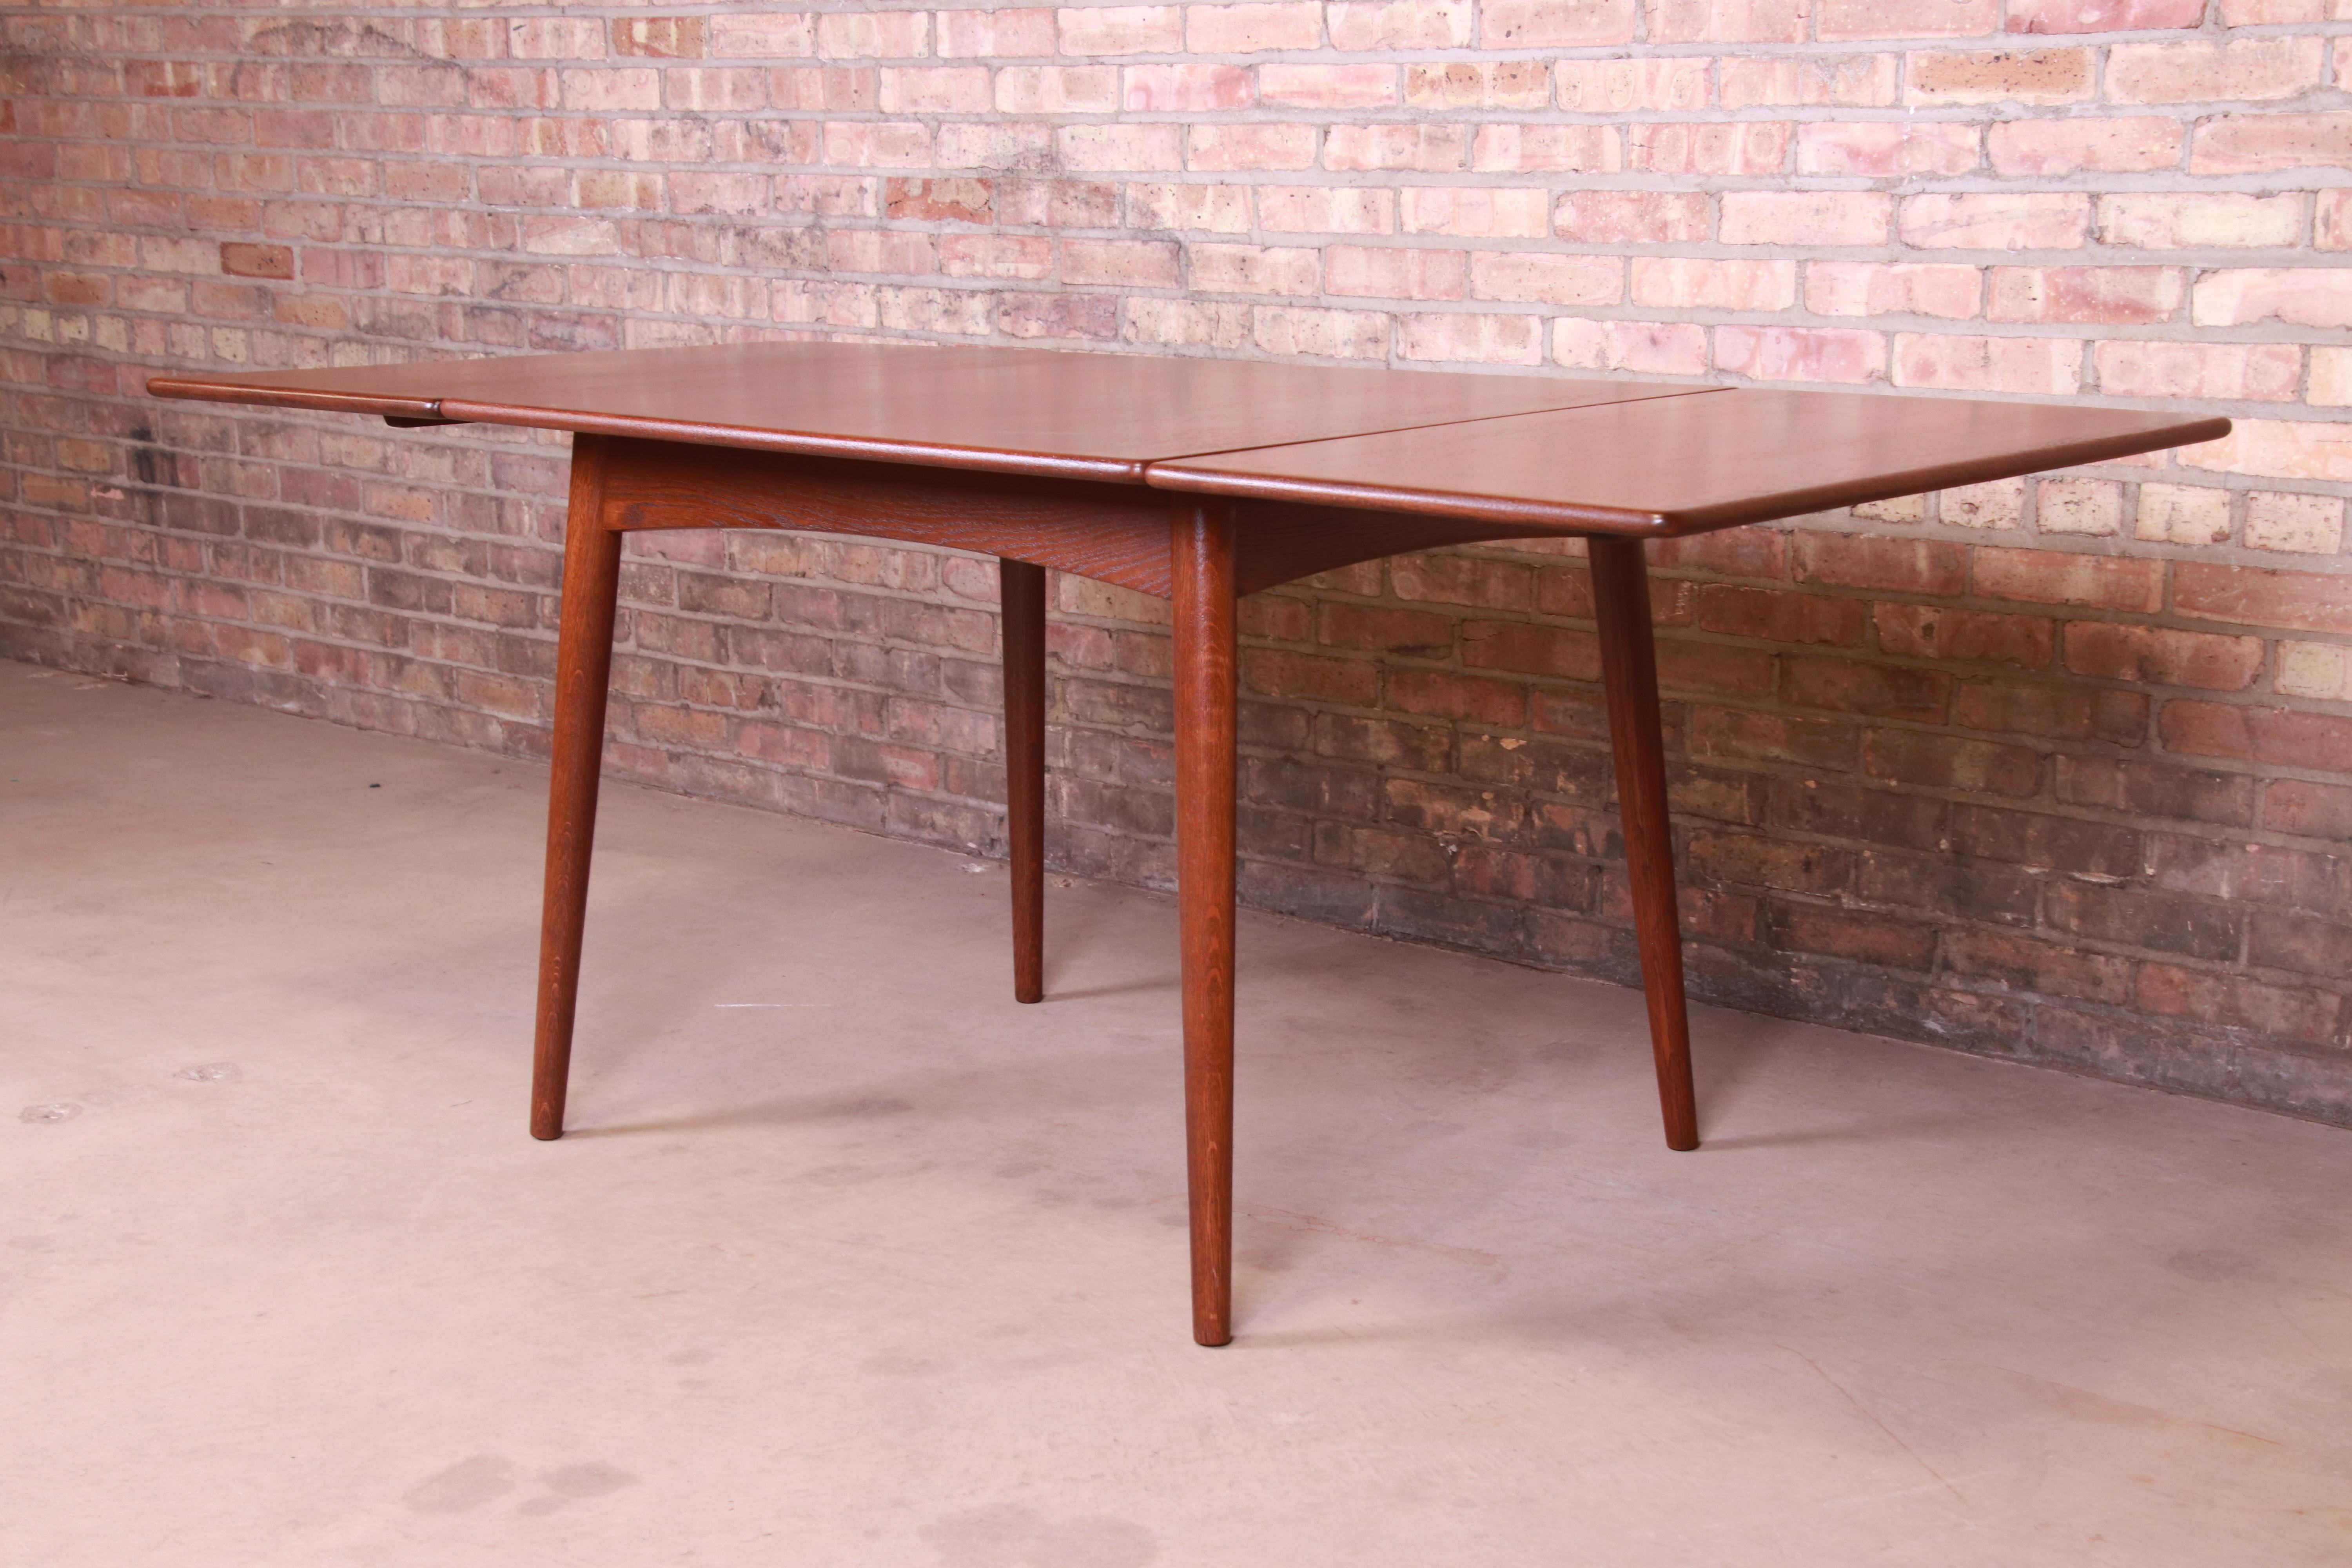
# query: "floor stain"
[[1010, 1536], [468, 1484], [573, 1482]]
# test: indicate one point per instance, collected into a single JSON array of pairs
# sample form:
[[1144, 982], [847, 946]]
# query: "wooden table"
[[1196, 480]]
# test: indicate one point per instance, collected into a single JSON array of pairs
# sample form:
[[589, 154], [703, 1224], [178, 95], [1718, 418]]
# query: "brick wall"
[[2058, 769]]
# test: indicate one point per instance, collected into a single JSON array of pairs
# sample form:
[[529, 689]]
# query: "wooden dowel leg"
[[583, 668], [1024, 597], [1629, 668], [1205, 696]]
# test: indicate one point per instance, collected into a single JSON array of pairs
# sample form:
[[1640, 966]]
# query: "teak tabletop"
[[1264, 473]]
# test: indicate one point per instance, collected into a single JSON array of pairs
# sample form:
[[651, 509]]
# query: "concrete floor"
[[852, 1260]]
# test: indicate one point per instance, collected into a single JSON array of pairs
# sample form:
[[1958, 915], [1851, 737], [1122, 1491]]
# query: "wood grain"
[[1035, 411], [1629, 674], [584, 665], [1686, 465], [1204, 545], [1023, 592]]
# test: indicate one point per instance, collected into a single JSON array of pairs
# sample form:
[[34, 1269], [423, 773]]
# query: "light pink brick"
[[983, 35], [1990, 507], [1844, 81], [1675, 82], [1683, 282], [1217, 208], [1255, 269], [2001, 75], [1547, 278], [1328, 334], [2044, 365], [2106, 295], [878, 251], [783, 34], [2197, 71], [1393, 272], [1755, 148], [2278, 449], [1651, 348], [603, 90], [2072, 146], [2150, 220], [2331, 376], [1327, 87], [2182, 514], [935, 89], [1120, 30], [997, 143], [877, 144], [1252, 28], [1631, 218], [1367, 24], [2266, 143], [1247, 146], [1474, 211], [1805, 217], [1887, 149], [872, 34], [1801, 353], [1189, 89], [2332, 220], [1320, 209], [2300, 296], [1555, 24], [1136, 263], [2303, 524], [559, 38], [1471, 338], [2039, 221], [2103, 15], [1114, 148], [1007, 255], [1842, 19], [1728, 21], [2078, 506], [1536, 149], [2249, 372], [1896, 288], [1478, 84], [1423, 148], [1060, 89]]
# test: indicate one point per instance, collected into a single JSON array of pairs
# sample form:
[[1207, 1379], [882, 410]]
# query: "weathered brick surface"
[[2059, 769]]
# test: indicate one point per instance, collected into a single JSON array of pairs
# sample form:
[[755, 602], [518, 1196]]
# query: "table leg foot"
[[1024, 599], [1207, 694], [1629, 666], [583, 665]]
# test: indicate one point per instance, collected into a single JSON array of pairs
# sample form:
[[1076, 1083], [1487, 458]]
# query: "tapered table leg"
[[1024, 597], [1629, 670], [1205, 695], [584, 667]]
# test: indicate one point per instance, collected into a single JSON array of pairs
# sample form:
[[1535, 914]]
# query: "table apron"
[[1112, 532]]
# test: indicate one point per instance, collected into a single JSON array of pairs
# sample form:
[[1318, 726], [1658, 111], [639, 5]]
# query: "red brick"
[[2050, 577], [1873, 690], [2162, 657], [1866, 560], [2068, 712], [2305, 601], [1949, 761], [2277, 736]]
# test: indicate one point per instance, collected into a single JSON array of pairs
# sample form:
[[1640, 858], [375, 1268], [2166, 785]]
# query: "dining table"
[[1197, 480]]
